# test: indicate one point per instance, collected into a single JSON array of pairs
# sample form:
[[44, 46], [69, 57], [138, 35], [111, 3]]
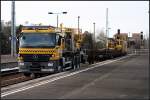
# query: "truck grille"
[[36, 57], [33, 68]]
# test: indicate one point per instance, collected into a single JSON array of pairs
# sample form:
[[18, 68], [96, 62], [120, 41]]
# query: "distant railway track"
[[8, 65], [13, 79], [8, 71], [9, 68]]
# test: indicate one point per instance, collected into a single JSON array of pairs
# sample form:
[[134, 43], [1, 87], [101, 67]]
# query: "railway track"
[[14, 77], [9, 68], [10, 74]]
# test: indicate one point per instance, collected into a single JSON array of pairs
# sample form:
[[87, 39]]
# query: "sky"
[[128, 16]]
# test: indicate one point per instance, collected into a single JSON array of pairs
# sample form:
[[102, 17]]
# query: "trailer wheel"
[[78, 62], [111, 56], [73, 64], [82, 59], [78, 66]]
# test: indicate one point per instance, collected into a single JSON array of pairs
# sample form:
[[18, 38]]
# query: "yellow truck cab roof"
[[38, 29]]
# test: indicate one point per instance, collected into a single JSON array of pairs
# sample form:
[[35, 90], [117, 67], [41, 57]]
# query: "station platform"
[[8, 58]]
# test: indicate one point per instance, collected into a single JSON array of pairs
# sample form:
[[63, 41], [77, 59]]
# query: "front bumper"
[[38, 67]]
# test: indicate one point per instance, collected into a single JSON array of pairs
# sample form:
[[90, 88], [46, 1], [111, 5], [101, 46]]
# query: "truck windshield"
[[38, 40]]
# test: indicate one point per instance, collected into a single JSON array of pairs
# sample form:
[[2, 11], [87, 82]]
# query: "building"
[[136, 37]]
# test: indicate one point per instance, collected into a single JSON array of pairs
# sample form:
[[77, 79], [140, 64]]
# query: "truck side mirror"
[[23, 37]]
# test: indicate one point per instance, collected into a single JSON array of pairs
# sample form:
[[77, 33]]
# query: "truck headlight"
[[50, 64]]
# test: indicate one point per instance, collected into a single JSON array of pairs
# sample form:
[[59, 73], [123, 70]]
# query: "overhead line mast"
[[106, 27], [13, 30]]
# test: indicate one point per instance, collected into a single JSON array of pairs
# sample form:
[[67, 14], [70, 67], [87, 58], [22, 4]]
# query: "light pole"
[[94, 31], [78, 27], [129, 40], [106, 26], [13, 30], [94, 41], [57, 15], [108, 31]]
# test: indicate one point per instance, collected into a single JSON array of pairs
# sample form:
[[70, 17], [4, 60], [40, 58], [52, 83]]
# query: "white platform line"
[[9, 69]]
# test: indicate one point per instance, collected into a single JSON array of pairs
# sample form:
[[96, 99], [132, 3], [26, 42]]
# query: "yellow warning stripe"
[[36, 51], [34, 31]]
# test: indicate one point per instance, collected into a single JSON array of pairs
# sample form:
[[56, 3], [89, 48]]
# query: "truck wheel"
[[37, 75], [78, 62], [111, 56], [59, 69], [27, 74], [73, 65], [62, 60], [82, 59], [56, 70], [78, 66]]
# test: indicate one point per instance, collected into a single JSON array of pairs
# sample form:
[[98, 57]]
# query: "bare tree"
[[101, 40], [87, 40], [5, 40]]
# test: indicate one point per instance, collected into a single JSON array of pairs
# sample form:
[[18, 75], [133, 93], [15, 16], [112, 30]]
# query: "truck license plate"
[[47, 69]]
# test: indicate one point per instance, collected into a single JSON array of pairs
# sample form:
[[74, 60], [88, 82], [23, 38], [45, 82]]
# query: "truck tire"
[[37, 75], [78, 62], [61, 63], [73, 64], [82, 59], [27, 74], [59, 69]]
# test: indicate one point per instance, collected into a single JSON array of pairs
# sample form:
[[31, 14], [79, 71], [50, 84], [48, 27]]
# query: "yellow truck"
[[46, 49], [121, 42]]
